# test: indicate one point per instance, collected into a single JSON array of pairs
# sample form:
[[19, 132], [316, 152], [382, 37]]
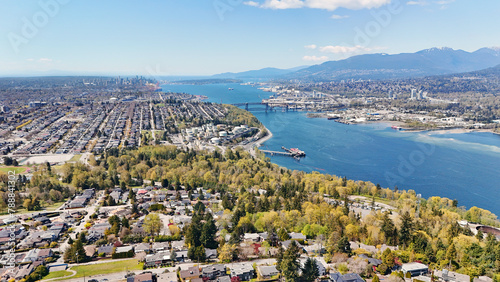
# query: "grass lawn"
[[58, 274], [19, 210], [106, 268], [75, 158], [54, 206], [17, 169]]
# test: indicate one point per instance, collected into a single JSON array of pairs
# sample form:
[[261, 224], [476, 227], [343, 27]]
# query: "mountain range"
[[265, 73], [434, 61]]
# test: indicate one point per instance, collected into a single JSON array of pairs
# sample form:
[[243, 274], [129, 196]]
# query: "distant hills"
[[265, 73], [428, 62], [434, 61]]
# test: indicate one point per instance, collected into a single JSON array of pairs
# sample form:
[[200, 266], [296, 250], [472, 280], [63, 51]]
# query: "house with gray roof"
[[243, 270], [349, 277], [267, 272], [213, 271]]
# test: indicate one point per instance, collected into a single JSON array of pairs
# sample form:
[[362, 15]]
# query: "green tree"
[[344, 246], [152, 224], [228, 253], [406, 229], [197, 254], [480, 235], [208, 232], [290, 263], [75, 253], [451, 253], [389, 230], [279, 258], [173, 255], [375, 278], [310, 271], [283, 235], [125, 222], [388, 258]]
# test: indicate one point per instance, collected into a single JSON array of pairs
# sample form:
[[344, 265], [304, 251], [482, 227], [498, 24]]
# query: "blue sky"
[[195, 37]]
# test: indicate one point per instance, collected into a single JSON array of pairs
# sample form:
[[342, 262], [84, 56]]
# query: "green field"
[[75, 158], [17, 169], [54, 206], [58, 274], [106, 268]]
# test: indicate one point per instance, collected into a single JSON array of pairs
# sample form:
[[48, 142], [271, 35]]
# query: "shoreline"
[[456, 130], [269, 135]]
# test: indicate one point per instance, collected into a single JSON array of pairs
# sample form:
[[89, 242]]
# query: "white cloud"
[[282, 4], [418, 2], [314, 58], [344, 49], [339, 17], [312, 46], [30, 60], [329, 5], [44, 60], [251, 3], [445, 2]]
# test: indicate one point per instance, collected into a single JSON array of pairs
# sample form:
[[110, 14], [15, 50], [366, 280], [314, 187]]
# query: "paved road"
[[165, 220], [77, 229]]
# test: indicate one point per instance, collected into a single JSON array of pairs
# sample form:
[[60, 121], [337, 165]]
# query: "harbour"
[[373, 152]]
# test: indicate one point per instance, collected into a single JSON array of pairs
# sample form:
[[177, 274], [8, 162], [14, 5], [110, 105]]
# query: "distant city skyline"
[[162, 38]]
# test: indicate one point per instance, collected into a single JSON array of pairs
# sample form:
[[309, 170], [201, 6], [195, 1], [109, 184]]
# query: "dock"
[[272, 153], [293, 152]]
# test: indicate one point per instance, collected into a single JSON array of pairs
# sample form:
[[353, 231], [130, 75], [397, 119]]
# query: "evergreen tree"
[[283, 235], [125, 222], [208, 232], [344, 246], [389, 230], [310, 271], [197, 254], [75, 253], [173, 255], [451, 253], [279, 258], [406, 229], [290, 263]]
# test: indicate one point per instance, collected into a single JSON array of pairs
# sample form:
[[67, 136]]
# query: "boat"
[[396, 127], [230, 89]]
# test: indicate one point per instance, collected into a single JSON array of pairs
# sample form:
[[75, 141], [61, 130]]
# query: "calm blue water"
[[465, 167]]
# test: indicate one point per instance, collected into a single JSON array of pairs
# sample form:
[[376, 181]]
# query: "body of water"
[[464, 166]]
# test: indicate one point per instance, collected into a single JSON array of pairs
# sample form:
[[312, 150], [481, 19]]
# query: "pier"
[[293, 152]]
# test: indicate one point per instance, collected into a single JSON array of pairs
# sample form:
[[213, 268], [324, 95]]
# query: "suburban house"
[[213, 271], [189, 274], [243, 270], [106, 249], [267, 272], [450, 276], [414, 268], [349, 277], [297, 236], [143, 247]]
